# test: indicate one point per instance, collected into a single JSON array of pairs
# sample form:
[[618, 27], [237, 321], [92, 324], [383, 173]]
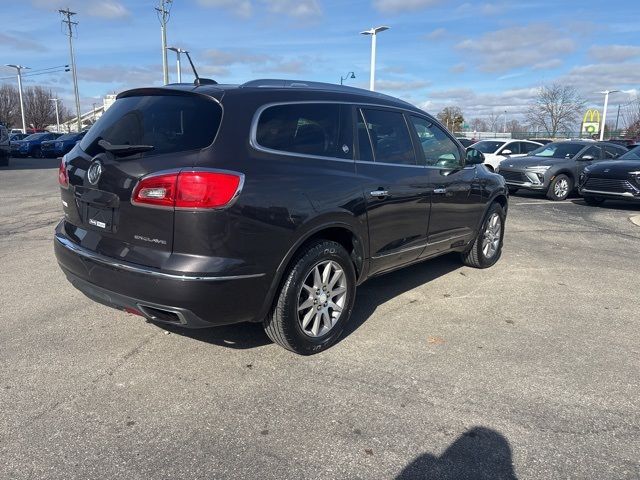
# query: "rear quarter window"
[[170, 123], [316, 129]]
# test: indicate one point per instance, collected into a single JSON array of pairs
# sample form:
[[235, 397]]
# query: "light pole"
[[604, 114], [164, 10], [349, 75], [178, 52], [57, 114], [19, 69], [505, 121], [374, 33]]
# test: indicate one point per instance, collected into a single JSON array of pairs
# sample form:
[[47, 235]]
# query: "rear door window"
[[389, 136], [514, 147], [316, 129], [528, 147], [612, 152], [170, 123], [591, 152]]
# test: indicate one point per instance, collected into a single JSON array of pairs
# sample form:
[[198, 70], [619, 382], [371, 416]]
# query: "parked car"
[[541, 141], [466, 142], [616, 180], [495, 151], [31, 146], [61, 145], [555, 168], [272, 213], [5, 148], [14, 137]]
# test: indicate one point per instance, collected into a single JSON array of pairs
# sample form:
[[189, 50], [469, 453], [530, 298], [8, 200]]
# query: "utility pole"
[[617, 118], [57, 115], [19, 69], [70, 24], [164, 11]]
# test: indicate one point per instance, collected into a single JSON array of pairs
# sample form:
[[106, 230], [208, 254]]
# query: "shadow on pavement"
[[368, 297], [31, 163], [477, 454]]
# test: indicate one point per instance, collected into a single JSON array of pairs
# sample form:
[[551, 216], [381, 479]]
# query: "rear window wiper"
[[123, 150]]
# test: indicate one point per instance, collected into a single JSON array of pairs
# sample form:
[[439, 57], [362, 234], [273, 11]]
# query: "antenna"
[[198, 80]]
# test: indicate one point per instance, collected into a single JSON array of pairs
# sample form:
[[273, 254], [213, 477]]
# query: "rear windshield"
[[170, 123], [633, 154], [558, 150], [488, 146]]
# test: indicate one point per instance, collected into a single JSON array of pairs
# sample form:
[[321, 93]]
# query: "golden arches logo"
[[592, 115]]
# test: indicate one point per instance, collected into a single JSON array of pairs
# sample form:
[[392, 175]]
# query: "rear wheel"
[[315, 300], [593, 201], [487, 247], [560, 188]]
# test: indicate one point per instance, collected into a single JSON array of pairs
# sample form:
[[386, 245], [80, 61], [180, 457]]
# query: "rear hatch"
[[144, 132]]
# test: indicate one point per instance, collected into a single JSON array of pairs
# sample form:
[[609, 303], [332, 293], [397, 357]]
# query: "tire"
[[37, 153], [513, 190], [560, 188], [485, 254], [285, 324], [593, 201]]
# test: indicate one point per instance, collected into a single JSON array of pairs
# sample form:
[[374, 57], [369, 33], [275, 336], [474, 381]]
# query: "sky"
[[485, 57]]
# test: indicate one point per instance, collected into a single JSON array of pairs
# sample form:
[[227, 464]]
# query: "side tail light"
[[188, 190], [63, 175]]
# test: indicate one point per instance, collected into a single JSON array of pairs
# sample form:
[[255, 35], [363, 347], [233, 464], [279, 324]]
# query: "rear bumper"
[[192, 301]]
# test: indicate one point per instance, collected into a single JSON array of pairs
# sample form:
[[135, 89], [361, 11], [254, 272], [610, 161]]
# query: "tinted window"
[[438, 148], [171, 123], [528, 147], [592, 151], [611, 151], [35, 136], [390, 137], [68, 136], [306, 128], [633, 154], [488, 146], [558, 150], [4, 134], [513, 146]]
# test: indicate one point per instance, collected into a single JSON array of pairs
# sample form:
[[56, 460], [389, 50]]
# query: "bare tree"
[[514, 126], [452, 118], [38, 107], [479, 125], [9, 105], [631, 115], [494, 120], [555, 109]]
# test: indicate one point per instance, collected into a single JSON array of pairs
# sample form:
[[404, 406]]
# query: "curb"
[[635, 220]]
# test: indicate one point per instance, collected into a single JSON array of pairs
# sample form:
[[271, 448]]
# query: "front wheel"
[[560, 188], [487, 247], [315, 300], [593, 201]]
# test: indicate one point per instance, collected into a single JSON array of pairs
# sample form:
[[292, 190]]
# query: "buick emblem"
[[94, 172], [606, 170]]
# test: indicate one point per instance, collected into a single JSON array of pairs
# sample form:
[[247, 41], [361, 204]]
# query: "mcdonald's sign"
[[591, 122]]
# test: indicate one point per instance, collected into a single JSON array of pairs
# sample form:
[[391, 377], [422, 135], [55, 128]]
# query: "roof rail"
[[279, 83]]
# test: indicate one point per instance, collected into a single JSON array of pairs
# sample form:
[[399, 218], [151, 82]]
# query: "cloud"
[[294, 8], [614, 53], [242, 8], [474, 104], [516, 47], [458, 68], [589, 79], [401, 6], [436, 34], [108, 9], [401, 85], [259, 63], [22, 43]]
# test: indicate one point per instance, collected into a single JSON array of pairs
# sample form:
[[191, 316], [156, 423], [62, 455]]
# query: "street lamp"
[[349, 75], [57, 115], [604, 114], [19, 69], [374, 33], [178, 52]]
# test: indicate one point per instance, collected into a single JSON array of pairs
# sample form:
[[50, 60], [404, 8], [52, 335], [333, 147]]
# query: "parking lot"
[[526, 370]]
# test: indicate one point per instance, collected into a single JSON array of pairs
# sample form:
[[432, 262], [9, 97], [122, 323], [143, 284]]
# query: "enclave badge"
[[94, 172]]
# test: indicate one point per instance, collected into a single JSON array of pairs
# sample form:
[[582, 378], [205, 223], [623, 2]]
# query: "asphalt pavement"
[[526, 370]]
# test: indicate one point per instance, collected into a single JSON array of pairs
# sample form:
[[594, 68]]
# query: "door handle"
[[379, 193], [440, 190]]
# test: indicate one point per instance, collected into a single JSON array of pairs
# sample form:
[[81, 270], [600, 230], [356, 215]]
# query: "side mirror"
[[506, 152], [474, 157], [586, 158]]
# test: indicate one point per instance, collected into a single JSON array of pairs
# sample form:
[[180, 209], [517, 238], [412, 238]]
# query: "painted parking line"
[[544, 203]]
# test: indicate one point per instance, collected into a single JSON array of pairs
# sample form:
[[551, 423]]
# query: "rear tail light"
[[63, 175], [189, 190]]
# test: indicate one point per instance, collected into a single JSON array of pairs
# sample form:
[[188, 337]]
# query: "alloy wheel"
[[492, 236], [322, 298], [561, 188]]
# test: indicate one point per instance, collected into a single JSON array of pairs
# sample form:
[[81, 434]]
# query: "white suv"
[[495, 151]]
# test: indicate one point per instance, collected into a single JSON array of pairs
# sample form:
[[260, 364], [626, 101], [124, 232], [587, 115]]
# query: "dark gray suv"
[[555, 168]]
